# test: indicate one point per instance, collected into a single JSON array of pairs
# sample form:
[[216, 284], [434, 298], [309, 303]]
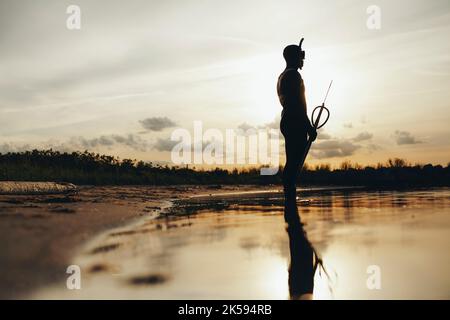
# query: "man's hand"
[[312, 133]]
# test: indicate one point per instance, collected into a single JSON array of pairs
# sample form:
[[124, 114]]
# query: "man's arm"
[[296, 91]]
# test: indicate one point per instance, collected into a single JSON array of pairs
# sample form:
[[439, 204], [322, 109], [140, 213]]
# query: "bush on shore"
[[95, 169]]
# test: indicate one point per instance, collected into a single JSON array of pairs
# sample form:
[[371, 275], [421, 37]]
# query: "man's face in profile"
[[300, 63]]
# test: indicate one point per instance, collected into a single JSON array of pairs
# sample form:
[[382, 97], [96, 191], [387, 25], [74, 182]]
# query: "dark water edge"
[[274, 198]]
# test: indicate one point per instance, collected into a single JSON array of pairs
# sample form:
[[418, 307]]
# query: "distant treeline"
[[95, 169]]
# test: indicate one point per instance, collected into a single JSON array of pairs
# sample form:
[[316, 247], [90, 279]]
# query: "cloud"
[[323, 136], [81, 143], [405, 137], [157, 123], [348, 125], [245, 129], [167, 144], [11, 147], [363, 136], [374, 147], [333, 148], [164, 144], [245, 126], [131, 141], [94, 142], [275, 124]]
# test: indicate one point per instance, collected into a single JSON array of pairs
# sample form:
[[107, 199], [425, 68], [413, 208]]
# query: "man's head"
[[294, 55]]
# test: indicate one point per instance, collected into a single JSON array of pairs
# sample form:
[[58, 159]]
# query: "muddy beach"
[[40, 232]]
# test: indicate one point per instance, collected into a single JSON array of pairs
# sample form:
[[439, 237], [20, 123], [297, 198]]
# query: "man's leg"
[[295, 147], [290, 173]]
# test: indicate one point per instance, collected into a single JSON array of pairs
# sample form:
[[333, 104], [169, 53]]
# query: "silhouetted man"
[[295, 125]]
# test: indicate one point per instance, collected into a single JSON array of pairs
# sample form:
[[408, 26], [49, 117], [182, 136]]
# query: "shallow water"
[[374, 245]]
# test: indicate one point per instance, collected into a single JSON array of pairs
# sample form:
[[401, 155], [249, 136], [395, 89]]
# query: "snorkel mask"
[[301, 52]]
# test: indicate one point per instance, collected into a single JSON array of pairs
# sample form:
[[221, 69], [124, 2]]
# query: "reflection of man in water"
[[304, 261], [295, 125]]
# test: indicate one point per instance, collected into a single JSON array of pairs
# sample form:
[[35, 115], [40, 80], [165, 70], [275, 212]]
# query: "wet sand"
[[41, 233], [237, 247]]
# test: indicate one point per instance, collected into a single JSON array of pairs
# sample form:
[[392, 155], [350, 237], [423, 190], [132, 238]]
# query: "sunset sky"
[[138, 69]]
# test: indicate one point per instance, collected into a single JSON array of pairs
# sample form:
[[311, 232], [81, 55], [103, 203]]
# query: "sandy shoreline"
[[39, 233]]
